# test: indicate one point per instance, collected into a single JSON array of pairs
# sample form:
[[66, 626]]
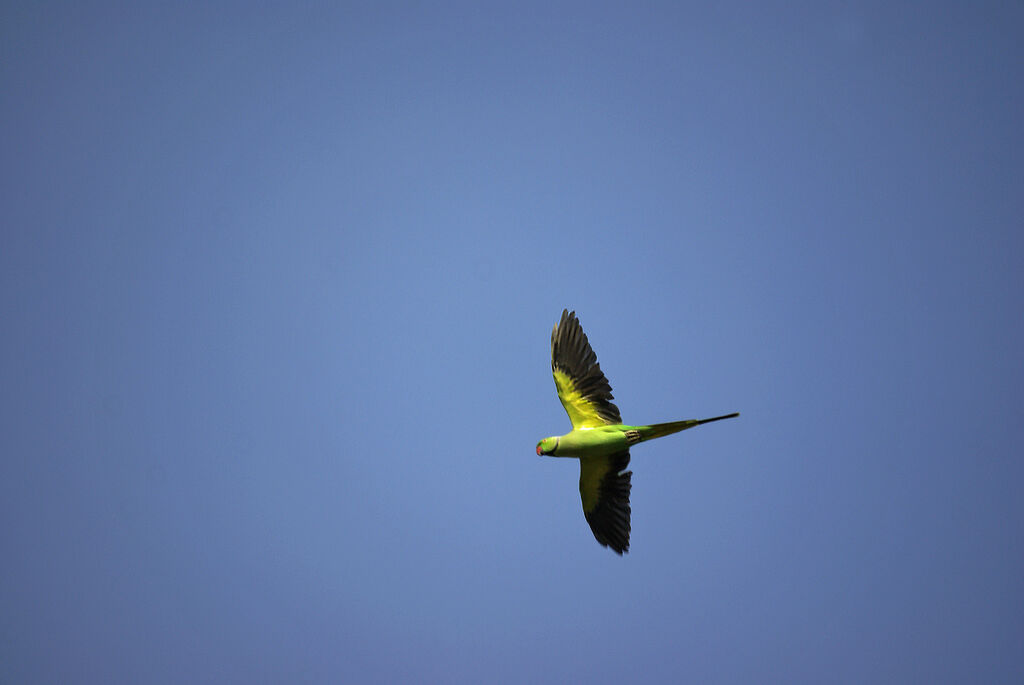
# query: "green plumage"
[[598, 439], [659, 430], [601, 440]]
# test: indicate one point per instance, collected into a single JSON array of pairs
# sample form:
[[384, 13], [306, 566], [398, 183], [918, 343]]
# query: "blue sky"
[[277, 284]]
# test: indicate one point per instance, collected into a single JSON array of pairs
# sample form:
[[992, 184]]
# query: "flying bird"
[[598, 437]]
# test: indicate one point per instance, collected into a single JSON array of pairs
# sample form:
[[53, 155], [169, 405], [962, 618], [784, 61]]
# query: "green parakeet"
[[598, 437]]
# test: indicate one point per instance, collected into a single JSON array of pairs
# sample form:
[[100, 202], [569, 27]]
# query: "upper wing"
[[582, 387], [604, 489]]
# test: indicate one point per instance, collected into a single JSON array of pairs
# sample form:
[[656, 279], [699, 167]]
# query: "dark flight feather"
[[572, 355], [609, 514]]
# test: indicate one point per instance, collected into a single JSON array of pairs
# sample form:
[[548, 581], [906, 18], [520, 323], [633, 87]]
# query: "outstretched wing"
[[582, 387], [604, 489]]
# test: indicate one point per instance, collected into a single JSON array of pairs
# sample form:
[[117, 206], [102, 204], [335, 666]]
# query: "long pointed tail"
[[659, 430]]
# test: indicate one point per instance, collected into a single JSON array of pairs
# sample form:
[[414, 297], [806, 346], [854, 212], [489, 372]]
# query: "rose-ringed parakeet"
[[598, 437]]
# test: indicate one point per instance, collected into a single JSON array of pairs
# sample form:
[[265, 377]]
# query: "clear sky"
[[277, 282]]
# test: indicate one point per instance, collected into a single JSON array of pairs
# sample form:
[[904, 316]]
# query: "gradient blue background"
[[277, 283]]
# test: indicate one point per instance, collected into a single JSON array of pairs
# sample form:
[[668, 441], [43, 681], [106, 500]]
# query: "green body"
[[598, 439], [608, 439]]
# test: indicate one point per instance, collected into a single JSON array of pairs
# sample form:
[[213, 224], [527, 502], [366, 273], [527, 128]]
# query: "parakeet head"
[[546, 446]]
